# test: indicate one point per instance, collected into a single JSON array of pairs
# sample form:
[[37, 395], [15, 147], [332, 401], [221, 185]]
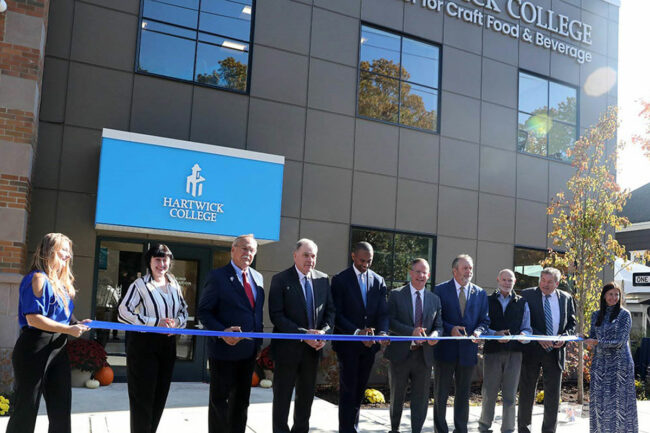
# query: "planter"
[[78, 377]]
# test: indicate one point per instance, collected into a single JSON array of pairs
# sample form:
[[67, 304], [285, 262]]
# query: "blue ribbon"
[[97, 324]]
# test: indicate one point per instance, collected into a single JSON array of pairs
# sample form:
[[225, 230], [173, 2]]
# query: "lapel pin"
[[232, 279]]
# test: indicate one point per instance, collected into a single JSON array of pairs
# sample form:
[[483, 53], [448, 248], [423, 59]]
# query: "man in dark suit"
[[552, 312], [233, 301], [361, 309], [300, 301], [412, 311], [464, 312]]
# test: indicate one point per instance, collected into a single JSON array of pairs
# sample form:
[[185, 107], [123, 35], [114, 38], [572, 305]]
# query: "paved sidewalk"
[[105, 410]]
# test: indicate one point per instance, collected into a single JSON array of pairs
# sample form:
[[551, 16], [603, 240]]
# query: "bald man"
[[509, 315]]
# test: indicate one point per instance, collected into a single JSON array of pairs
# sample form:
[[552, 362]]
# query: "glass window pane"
[[533, 94], [118, 265], [420, 62], [222, 66], [378, 97], [187, 275], [532, 133], [166, 55], [169, 13], [562, 102], [561, 138], [226, 26], [380, 52], [169, 29], [228, 8], [382, 243], [527, 267], [407, 248], [419, 106]]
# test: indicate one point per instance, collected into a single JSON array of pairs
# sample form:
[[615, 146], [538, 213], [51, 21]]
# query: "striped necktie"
[[548, 317]]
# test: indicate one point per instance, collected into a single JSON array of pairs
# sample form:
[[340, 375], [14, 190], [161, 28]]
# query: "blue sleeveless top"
[[48, 305]]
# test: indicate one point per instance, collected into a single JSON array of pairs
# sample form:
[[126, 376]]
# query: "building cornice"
[[645, 225]]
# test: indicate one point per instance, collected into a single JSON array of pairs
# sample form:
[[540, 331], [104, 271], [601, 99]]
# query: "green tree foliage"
[[585, 221], [231, 74]]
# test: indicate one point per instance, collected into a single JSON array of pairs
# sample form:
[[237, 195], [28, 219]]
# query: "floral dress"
[[612, 405]]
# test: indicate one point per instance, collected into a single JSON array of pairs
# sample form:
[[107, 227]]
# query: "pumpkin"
[[104, 375], [92, 383], [256, 379], [265, 383]]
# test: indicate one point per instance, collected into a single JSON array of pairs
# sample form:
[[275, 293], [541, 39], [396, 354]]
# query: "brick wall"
[[22, 42]]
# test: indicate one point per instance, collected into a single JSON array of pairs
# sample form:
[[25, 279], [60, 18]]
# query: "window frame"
[[196, 42], [518, 112], [562, 286], [434, 238], [399, 79]]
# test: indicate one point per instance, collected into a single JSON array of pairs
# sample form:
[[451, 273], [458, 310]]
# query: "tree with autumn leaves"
[[585, 220]]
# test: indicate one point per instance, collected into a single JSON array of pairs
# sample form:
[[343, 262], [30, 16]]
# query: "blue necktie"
[[548, 317], [309, 299], [364, 289]]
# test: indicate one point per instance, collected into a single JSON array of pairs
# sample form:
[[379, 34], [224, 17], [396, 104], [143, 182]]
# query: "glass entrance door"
[[191, 268], [119, 263]]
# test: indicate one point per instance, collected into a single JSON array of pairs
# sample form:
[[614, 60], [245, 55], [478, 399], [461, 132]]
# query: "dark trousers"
[[354, 372], [230, 390], [149, 366], [444, 373], [299, 372], [41, 367], [552, 380], [414, 370]]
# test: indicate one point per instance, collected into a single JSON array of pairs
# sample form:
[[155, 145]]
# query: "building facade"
[[430, 128]]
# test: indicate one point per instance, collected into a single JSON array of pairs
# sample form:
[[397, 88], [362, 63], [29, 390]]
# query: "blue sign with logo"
[[165, 186]]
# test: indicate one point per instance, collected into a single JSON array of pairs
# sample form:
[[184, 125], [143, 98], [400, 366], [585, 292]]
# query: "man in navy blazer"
[[360, 298], [300, 302], [232, 300], [464, 312]]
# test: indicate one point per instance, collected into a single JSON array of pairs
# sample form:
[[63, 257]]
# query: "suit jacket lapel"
[[451, 287], [562, 302], [409, 303], [354, 280], [296, 283], [540, 310], [428, 309]]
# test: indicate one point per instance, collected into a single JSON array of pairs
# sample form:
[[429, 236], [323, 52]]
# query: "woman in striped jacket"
[[152, 300]]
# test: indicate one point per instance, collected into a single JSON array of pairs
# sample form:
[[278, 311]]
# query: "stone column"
[[22, 42]]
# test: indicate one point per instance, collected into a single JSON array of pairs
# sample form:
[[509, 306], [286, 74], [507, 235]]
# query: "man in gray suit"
[[552, 312], [417, 312]]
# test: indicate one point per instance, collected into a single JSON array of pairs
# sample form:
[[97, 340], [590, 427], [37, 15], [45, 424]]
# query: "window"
[[204, 41], [528, 269], [394, 252], [398, 79], [547, 117]]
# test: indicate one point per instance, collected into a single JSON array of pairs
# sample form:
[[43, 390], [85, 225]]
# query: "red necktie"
[[248, 289]]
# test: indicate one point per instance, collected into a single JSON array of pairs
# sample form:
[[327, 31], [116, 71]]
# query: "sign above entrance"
[[532, 22], [159, 185]]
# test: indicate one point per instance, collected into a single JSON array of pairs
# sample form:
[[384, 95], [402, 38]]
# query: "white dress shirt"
[[458, 286]]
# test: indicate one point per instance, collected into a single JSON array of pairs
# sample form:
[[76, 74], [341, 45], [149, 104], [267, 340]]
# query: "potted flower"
[[265, 363], [86, 357]]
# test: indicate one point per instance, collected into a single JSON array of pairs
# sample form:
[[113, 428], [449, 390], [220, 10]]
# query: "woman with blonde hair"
[[40, 361]]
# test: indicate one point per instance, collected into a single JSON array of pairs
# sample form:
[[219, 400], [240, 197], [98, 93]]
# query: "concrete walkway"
[[105, 410]]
